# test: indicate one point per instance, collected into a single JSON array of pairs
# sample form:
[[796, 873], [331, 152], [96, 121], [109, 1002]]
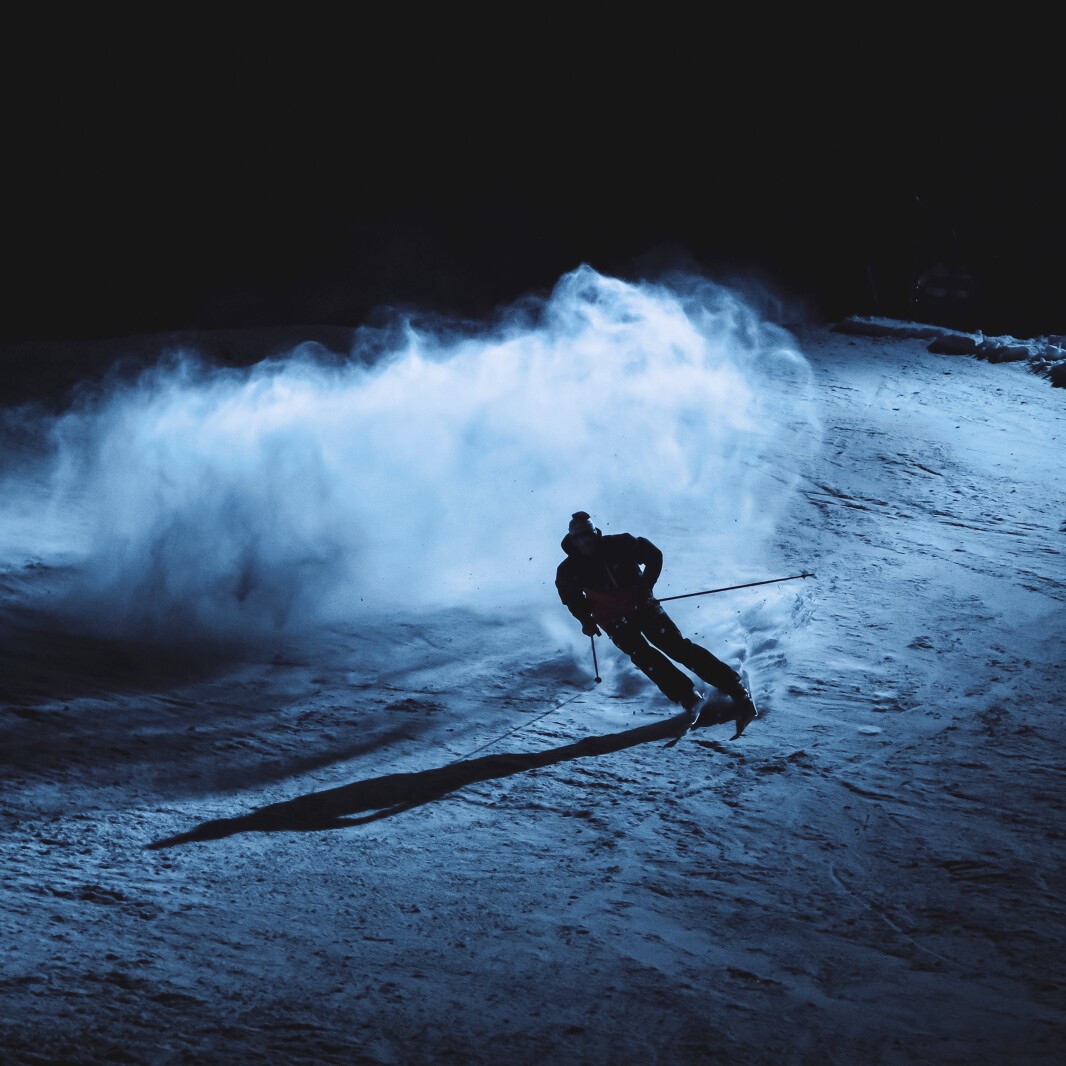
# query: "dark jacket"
[[609, 583]]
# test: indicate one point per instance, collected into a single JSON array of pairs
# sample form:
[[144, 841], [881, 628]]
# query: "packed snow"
[[304, 760]]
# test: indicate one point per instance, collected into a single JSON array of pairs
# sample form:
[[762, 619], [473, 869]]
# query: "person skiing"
[[607, 581]]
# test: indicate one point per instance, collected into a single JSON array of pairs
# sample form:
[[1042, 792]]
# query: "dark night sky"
[[160, 195]]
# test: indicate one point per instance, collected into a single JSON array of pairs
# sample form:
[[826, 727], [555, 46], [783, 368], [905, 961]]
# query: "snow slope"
[[415, 835]]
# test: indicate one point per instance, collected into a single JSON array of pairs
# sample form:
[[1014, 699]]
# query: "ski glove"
[[590, 629]]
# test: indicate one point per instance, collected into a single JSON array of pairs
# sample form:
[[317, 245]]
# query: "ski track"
[[872, 874]]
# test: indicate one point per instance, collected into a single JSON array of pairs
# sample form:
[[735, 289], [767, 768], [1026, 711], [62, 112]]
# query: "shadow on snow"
[[395, 793]]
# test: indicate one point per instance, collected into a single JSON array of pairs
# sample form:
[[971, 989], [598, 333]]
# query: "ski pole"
[[730, 588], [595, 665]]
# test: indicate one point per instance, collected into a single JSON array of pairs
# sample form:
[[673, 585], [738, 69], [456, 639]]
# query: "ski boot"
[[744, 710]]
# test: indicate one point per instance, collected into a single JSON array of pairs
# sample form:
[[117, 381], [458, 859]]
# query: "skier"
[[602, 584]]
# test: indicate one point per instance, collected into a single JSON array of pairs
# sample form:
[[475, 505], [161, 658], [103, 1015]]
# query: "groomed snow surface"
[[304, 762]]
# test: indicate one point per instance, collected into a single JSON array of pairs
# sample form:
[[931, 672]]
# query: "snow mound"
[[1044, 355]]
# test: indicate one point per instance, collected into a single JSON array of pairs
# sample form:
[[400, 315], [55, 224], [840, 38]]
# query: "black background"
[[202, 180]]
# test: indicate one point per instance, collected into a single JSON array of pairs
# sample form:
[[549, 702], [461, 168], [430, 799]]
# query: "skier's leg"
[[673, 684], [661, 630]]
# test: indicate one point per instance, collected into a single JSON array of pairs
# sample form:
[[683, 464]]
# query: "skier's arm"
[[652, 560], [574, 599]]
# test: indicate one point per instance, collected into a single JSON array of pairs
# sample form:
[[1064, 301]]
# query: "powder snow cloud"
[[438, 469]]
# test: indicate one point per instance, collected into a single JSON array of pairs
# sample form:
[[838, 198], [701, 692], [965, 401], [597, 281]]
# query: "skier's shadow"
[[394, 793]]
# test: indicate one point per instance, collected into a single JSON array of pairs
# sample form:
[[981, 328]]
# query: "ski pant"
[[652, 624]]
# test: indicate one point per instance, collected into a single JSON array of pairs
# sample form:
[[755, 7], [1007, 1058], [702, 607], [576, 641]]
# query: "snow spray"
[[430, 467]]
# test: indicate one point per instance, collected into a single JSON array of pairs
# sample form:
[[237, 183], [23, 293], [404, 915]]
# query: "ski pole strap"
[[730, 588]]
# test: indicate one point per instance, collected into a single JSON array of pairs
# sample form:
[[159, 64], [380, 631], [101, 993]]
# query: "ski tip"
[[675, 738], [743, 723], [685, 724]]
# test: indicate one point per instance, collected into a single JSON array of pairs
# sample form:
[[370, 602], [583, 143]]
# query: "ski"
[[746, 711], [686, 722], [741, 712]]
